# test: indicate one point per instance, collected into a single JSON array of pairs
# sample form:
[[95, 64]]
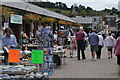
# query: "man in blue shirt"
[[93, 40], [8, 41]]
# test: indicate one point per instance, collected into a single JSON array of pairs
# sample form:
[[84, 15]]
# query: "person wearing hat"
[[80, 37]]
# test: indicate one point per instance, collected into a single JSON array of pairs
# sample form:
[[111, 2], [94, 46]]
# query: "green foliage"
[[59, 10], [119, 15], [58, 5]]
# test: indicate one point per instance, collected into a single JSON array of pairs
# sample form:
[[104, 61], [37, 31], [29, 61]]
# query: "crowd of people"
[[95, 40]]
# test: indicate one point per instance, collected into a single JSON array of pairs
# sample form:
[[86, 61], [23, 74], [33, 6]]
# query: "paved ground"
[[103, 68]]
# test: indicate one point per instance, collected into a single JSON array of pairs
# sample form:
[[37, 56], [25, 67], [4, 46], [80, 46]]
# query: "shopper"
[[109, 43], [80, 43], [85, 39], [117, 49], [93, 40], [100, 45], [8, 41]]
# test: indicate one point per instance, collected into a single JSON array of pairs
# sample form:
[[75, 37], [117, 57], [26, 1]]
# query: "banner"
[[14, 56], [37, 56]]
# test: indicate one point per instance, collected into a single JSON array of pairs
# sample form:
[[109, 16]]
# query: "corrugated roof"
[[32, 8], [83, 20]]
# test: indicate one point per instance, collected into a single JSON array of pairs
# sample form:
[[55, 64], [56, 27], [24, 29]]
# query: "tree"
[[61, 5], [107, 10], [89, 9], [114, 10], [58, 11], [81, 8]]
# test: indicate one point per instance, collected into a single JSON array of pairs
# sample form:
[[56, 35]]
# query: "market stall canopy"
[[35, 9]]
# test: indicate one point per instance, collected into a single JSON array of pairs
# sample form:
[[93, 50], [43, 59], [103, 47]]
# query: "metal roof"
[[83, 20], [35, 9]]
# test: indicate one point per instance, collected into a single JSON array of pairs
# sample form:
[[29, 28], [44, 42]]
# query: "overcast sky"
[[95, 4]]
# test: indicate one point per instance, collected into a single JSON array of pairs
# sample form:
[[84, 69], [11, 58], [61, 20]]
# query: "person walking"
[[8, 41], [86, 40], [100, 45], [93, 40], [80, 36], [109, 43], [117, 49]]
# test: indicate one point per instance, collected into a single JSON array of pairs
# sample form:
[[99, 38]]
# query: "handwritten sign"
[[37, 56], [14, 56]]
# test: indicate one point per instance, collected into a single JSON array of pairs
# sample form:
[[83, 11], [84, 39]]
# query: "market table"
[[32, 46], [59, 54]]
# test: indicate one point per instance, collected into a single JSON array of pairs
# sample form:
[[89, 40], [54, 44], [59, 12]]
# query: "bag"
[[86, 43]]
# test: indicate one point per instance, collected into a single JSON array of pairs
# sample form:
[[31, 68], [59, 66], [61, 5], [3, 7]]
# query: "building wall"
[[118, 25], [119, 5], [110, 21]]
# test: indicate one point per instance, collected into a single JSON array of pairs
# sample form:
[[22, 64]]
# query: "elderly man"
[[80, 36]]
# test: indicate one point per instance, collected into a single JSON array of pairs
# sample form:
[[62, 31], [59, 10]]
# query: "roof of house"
[[117, 19], [33, 8], [83, 20]]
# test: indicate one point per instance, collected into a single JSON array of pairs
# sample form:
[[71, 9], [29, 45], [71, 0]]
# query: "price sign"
[[14, 56]]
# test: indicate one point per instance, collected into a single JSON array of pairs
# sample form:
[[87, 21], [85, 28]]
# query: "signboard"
[[37, 56], [14, 55], [16, 19]]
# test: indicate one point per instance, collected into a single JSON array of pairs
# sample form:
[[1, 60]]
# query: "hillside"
[[75, 10]]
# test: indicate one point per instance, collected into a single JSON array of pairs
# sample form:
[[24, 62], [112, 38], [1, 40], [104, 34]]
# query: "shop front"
[[16, 26]]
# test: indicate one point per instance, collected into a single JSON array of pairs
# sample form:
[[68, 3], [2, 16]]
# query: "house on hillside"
[[118, 23], [89, 22], [110, 20]]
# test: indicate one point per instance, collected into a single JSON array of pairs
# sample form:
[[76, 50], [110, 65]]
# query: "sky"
[[95, 4]]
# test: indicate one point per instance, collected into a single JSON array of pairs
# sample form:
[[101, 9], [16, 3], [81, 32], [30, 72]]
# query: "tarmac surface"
[[102, 68]]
